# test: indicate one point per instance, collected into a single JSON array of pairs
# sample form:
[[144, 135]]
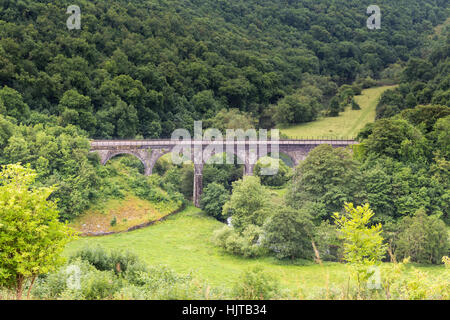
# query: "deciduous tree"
[[31, 237]]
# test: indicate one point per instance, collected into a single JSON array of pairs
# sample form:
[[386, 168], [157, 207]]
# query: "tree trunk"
[[31, 286], [391, 254], [19, 287], [316, 252]]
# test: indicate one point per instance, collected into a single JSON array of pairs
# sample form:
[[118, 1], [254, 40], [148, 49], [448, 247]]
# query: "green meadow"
[[347, 125], [183, 243]]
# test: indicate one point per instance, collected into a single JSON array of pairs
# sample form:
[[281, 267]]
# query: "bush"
[[326, 238], [117, 261], [96, 256], [422, 238], [181, 178], [248, 204], [333, 108], [213, 198], [99, 285], [357, 89], [366, 83], [355, 105], [93, 284], [133, 280], [296, 108], [247, 243], [132, 163], [254, 284], [288, 234], [162, 166], [281, 177], [417, 285]]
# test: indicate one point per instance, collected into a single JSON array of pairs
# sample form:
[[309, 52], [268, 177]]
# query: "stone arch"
[[297, 153], [141, 154], [248, 169], [156, 154], [118, 153], [234, 153], [292, 161]]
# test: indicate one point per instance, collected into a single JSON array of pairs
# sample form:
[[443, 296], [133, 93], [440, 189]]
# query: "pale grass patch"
[[347, 125]]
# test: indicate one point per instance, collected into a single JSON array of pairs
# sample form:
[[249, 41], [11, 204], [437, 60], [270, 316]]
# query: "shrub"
[[213, 198], [55, 285], [357, 89], [254, 284], [93, 284], [117, 261], [132, 163], [162, 283], [162, 166], [417, 285], [181, 178], [355, 105], [133, 280], [288, 234], [333, 108], [367, 83], [98, 285], [247, 243], [282, 175], [329, 245], [248, 204], [96, 256]]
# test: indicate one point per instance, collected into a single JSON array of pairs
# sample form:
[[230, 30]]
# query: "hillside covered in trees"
[[144, 67]]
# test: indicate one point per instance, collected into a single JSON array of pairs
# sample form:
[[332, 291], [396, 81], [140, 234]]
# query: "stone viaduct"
[[149, 151]]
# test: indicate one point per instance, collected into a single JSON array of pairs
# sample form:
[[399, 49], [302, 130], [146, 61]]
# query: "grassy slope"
[[183, 242], [348, 124], [129, 212]]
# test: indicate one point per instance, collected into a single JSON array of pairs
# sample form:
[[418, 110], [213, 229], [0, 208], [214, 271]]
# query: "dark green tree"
[[355, 105], [334, 107], [328, 176], [213, 198], [288, 234], [422, 238]]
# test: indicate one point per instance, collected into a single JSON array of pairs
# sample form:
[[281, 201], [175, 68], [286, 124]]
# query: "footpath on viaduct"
[[149, 151]]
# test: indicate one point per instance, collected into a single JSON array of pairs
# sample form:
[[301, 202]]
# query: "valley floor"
[[183, 242]]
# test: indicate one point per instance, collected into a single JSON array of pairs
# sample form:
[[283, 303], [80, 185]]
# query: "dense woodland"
[[140, 69], [144, 68]]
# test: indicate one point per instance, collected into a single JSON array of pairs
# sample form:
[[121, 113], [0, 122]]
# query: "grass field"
[[183, 242], [348, 124]]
